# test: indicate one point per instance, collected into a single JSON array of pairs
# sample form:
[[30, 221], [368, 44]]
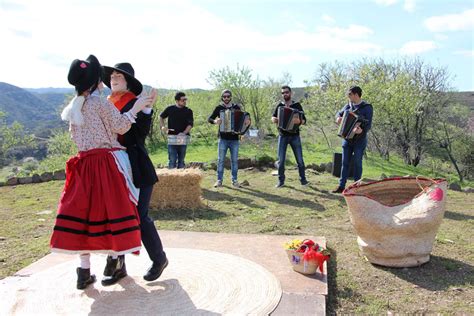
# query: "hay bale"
[[177, 188]]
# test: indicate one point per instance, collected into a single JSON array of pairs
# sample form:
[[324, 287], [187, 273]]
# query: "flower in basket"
[[312, 253]]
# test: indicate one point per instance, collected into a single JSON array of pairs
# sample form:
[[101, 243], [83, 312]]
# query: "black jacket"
[[134, 140]]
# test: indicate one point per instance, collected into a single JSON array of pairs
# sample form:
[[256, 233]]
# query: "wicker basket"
[[298, 264], [397, 219]]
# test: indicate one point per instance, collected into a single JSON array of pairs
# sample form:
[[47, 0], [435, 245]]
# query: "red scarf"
[[121, 98]]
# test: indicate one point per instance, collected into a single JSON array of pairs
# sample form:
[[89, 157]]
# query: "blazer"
[[143, 171]]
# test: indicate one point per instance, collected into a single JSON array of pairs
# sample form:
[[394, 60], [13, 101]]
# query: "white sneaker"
[[218, 184], [235, 184]]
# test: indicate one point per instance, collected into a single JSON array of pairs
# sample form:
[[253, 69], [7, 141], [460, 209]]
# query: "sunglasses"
[[226, 97], [285, 92]]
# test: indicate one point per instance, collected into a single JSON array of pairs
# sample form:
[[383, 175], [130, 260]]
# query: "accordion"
[[178, 139], [285, 118], [350, 120], [233, 121]]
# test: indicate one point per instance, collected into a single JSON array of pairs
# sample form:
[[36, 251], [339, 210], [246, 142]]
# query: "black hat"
[[127, 70], [85, 74]]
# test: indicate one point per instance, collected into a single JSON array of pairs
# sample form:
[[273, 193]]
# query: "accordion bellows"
[[396, 219], [285, 118], [350, 120], [233, 121]]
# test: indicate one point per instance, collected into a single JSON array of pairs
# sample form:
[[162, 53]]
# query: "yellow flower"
[[293, 244]]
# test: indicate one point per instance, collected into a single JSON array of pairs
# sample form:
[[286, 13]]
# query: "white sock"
[[85, 260]]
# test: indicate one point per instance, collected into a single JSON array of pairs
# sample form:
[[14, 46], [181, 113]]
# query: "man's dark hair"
[[286, 87], [179, 95], [355, 90]]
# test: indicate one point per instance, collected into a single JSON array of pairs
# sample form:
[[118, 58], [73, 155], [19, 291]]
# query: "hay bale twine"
[[177, 188]]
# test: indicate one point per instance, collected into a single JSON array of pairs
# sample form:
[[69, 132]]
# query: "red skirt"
[[95, 213]]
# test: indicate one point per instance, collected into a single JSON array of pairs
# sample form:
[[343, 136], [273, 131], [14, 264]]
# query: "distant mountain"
[[50, 90], [465, 97], [36, 112]]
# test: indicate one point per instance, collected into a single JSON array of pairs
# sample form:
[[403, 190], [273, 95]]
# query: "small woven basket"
[[300, 265]]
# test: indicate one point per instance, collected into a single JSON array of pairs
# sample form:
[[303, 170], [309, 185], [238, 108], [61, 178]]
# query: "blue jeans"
[[295, 143], [176, 154], [352, 150], [233, 146], [150, 238]]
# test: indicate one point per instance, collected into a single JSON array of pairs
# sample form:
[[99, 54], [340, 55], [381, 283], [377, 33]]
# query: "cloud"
[[417, 47], [465, 53], [463, 21], [171, 44], [385, 2], [328, 19], [409, 6]]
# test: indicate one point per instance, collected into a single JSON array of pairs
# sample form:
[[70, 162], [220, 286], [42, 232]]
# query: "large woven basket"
[[300, 265], [396, 219]]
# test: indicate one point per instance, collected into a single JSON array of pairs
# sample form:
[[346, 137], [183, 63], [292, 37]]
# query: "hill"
[[35, 111]]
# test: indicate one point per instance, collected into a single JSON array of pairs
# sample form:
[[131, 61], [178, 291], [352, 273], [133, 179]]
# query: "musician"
[[354, 148], [289, 138], [180, 121], [226, 140]]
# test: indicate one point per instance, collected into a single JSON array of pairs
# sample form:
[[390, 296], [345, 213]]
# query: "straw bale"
[[177, 188]]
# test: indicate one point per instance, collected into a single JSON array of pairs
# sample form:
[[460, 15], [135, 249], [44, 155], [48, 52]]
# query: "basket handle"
[[419, 184]]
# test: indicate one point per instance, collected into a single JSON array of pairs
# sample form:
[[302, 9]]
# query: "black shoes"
[[114, 270], [304, 182], [279, 184], [338, 190], [155, 271], [84, 278]]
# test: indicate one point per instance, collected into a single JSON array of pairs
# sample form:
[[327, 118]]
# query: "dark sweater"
[[294, 105], [178, 119], [216, 113]]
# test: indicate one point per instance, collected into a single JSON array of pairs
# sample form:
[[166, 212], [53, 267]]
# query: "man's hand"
[[275, 119], [154, 95], [358, 130], [181, 134], [218, 121], [247, 121], [164, 129], [339, 120], [296, 120]]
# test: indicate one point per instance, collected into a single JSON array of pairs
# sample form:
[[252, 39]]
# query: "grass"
[[444, 285]]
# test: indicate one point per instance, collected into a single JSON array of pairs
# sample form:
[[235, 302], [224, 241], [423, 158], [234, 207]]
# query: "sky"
[[175, 44]]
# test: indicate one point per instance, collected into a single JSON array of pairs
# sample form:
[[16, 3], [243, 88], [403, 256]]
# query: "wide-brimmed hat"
[[85, 74], [127, 70]]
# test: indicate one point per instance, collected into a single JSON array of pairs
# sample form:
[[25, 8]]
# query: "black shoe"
[[279, 184], [155, 271], [304, 182], [84, 278], [114, 270], [338, 190]]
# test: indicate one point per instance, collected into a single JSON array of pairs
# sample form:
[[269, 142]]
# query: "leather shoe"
[[338, 190], [155, 271], [84, 278], [114, 270]]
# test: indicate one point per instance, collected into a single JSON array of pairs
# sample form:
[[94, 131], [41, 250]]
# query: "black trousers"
[[150, 238]]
